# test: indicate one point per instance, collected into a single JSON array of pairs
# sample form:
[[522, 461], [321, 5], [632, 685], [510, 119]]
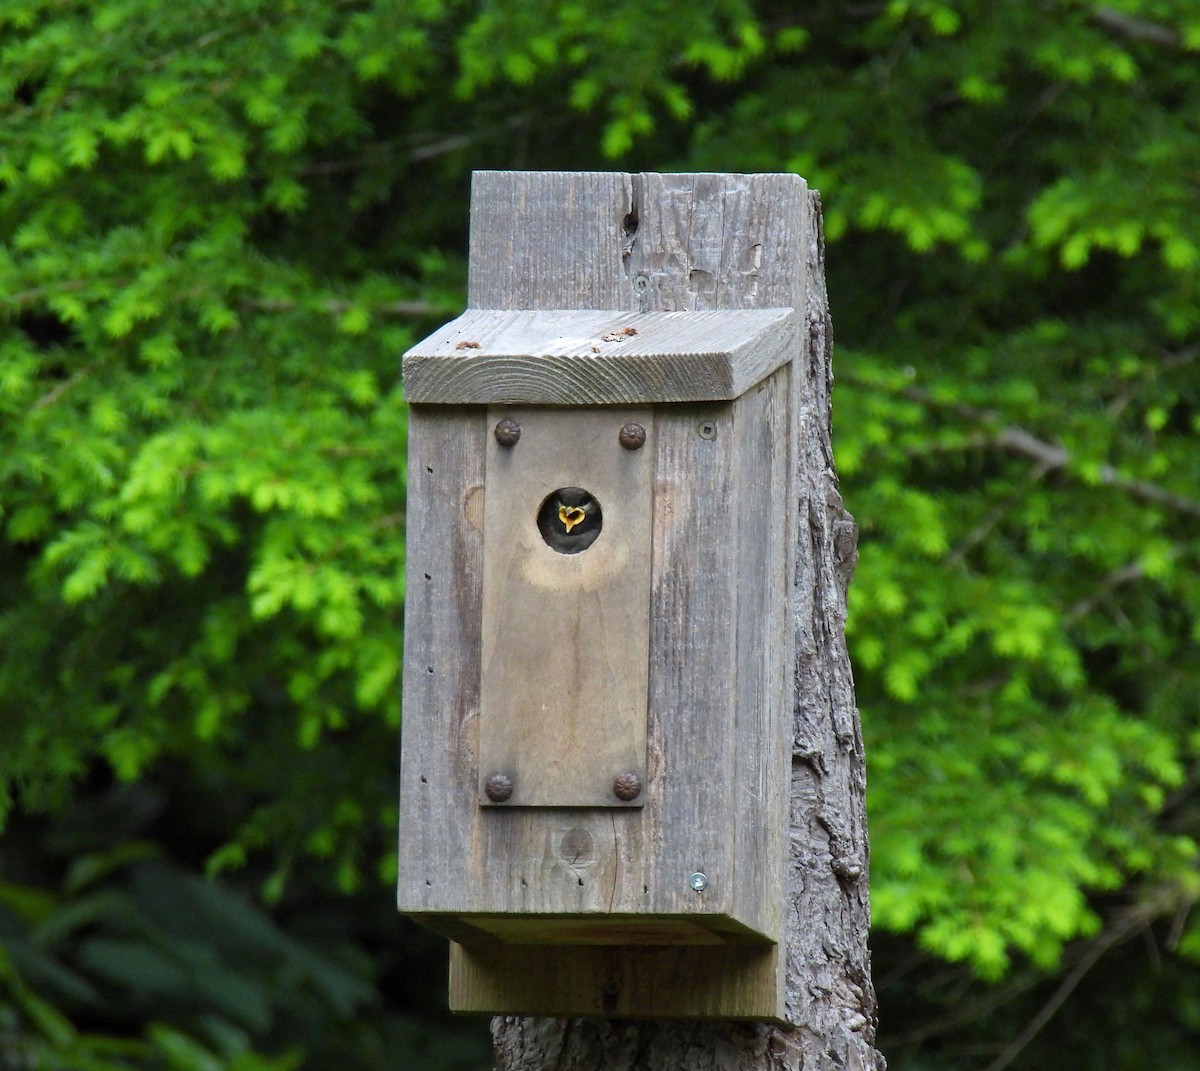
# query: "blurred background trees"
[[222, 222]]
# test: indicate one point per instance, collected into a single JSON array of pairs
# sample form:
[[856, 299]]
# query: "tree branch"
[[28, 297], [1056, 457], [985, 527], [1131, 922], [336, 307], [435, 145], [1048, 455], [1125, 575], [1136, 29], [52, 396]]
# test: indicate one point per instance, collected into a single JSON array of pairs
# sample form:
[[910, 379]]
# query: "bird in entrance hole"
[[570, 520]]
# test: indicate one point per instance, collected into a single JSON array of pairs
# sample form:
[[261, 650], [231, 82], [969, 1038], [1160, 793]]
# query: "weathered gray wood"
[[620, 982], [443, 593], [761, 467], [709, 242], [598, 358], [558, 242], [710, 782], [565, 636], [715, 241], [701, 242]]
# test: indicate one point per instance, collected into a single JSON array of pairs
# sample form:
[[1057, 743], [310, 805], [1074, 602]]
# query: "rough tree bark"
[[694, 242]]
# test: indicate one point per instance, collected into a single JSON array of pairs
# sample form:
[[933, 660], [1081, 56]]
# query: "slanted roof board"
[[598, 357]]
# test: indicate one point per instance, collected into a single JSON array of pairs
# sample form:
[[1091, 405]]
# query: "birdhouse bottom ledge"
[[619, 981]]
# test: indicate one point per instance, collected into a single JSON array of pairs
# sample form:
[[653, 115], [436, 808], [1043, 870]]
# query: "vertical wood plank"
[[757, 243], [710, 241], [565, 636], [761, 467], [693, 670], [550, 240], [715, 241], [442, 626]]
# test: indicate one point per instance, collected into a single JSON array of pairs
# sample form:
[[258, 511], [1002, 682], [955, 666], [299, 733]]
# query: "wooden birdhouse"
[[598, 655]]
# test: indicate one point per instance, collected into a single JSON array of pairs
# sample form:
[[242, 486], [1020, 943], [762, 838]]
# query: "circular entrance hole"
[[570, 520]]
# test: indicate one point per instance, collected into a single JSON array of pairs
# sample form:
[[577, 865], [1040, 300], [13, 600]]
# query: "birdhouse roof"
[[598, 357]]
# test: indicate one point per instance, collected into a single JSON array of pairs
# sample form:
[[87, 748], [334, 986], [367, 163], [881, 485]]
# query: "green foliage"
[[202, 452], [189, 973], [221, 222], [616, 61]]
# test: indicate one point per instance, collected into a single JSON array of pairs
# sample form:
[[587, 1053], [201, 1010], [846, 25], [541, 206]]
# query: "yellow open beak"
[[570, 516]]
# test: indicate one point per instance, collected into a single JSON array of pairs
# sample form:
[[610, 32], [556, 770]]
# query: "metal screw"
[[698, 881], [627, 786], [632, 436], [498, 787], [508, 431], [641, 283], [708, 430]]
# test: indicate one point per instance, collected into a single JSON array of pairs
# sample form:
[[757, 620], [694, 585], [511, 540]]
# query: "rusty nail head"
[[627, 786], [508, 431], [632, 436], [498, 787]]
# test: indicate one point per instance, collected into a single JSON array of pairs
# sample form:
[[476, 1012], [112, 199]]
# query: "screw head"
[[641, 283], [507, 432], [632, 436], [708, 430], [498, 787], [627, 786], [698, 881]]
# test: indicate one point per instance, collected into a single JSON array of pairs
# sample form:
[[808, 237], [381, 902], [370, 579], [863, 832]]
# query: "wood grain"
[[698, 815], [598, 358], [621, 982], [720, 676], [443, 590], [558, 242], [565, 636], [733, 242]]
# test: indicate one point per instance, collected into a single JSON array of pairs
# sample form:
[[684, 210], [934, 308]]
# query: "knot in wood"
[[577, 848]]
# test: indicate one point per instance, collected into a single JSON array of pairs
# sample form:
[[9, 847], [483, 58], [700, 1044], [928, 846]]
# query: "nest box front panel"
[[566, 607]]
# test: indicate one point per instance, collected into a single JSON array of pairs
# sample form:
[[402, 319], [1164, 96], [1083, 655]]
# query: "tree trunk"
[[694, 242]]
